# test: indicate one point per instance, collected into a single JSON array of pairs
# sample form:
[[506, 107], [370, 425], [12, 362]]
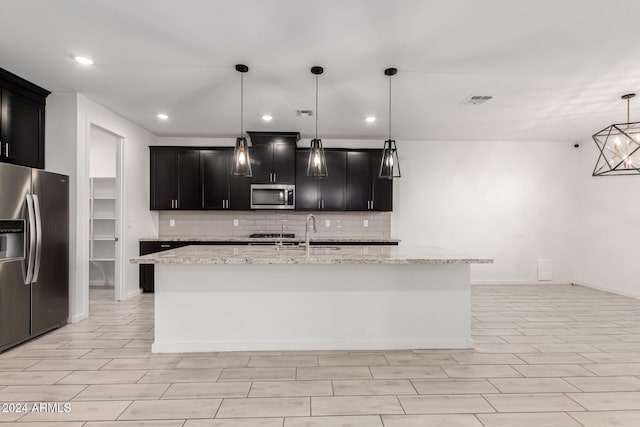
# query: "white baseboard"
[[133, 294], [78, 318], [613, 291], [518, 282], [198, 347]]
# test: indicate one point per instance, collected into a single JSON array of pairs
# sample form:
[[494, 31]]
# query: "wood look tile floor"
[[545, 355]]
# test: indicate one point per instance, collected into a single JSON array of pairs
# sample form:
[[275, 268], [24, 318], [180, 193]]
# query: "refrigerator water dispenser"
[[12, 235]]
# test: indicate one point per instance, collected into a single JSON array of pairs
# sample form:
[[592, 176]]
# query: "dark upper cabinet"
[[22, 108], [333, 188], [328, 193], [307, 187], [273, 157], [365, 191], [381, 188], [175, 179], [220, 189], [192, 178], [358, 181], [215, 182]]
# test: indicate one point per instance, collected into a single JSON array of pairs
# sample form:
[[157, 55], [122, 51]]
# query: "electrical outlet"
[[327, 223], [365, 223], [236, 222], [172, 223]]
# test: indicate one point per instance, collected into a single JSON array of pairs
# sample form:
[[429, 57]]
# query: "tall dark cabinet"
[[175, 179], [220, 189], [365, 191], [22, 114], [273, 157]]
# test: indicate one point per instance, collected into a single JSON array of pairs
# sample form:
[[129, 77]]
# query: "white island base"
[[227, 307]]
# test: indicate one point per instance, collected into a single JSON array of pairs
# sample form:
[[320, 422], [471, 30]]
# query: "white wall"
[[606, 250], [61, 134], [69, 117], [511, 201], [103, 152], [137, 220]]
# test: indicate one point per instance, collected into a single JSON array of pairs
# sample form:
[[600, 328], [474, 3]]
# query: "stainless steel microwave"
[[273, 196]]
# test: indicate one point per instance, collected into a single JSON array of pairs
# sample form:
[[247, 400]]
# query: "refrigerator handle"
[[36, 268], [32, 240]]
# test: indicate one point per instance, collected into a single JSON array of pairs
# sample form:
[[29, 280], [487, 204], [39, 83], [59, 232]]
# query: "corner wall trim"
[[518, 282]]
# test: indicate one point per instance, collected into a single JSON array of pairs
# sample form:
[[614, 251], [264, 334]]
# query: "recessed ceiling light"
[[83, 60], [162, 116], [267, 118], [370, 119]]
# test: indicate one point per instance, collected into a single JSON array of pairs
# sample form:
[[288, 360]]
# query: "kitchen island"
[[226, 298]]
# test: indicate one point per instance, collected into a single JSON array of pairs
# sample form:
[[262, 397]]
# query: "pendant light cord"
[[389, 107], [241, 104], [628, 110], [316, 106]]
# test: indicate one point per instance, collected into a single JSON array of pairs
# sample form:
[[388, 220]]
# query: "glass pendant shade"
[[619, 146], [390, 165], [317, 161], [241, 161]]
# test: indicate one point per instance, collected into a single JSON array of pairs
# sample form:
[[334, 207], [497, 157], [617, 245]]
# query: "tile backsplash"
[[221, 223]]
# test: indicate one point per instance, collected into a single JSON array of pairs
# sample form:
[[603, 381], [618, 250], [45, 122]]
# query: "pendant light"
[[390, 166], [317, 165], [241, 165], [619, 146]]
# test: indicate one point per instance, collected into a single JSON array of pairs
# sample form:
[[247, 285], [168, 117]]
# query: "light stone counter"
[[333, 239], [317, 255], [252, 298]]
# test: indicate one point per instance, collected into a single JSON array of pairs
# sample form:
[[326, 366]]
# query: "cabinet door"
[[284, 162], [239, 188], [215, 178], [334, 186], [164, 179], [22, 130], [189, 190], [307, 187], [261, 163], [358, 181], [382, 188]]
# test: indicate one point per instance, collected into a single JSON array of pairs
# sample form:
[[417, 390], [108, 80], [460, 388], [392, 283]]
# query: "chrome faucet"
[[306, 229]]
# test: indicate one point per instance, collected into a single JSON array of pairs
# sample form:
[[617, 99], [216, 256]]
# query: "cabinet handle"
[[6, 149], [372, 205], [165, 246], [274, 177], [322, 204]]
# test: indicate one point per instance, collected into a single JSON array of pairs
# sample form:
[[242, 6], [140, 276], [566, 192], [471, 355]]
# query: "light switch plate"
[[172, 223], [365, 223], [327, 223], [236, 222]]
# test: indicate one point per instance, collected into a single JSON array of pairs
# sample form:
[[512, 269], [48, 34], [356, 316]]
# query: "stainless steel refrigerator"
[[34, 253]]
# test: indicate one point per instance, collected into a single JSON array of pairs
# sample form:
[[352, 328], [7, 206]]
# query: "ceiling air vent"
[[476, 99], [304, 113]]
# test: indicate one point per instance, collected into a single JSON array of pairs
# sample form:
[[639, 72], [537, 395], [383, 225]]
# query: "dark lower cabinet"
[[22, 110]]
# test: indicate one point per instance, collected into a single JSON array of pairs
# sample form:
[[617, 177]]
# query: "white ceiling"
[[555, 67]]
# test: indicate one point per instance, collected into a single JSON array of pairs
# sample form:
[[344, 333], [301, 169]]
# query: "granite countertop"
[[319, 255], [267, 240]]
